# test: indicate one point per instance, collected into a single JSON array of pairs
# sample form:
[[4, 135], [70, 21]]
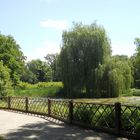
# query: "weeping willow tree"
[[84, 48], [113, 78]]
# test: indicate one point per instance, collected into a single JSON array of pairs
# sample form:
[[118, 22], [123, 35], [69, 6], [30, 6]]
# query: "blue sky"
[[37, 25]]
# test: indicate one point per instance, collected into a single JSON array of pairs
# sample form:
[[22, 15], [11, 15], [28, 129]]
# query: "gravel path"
[[15, 126]]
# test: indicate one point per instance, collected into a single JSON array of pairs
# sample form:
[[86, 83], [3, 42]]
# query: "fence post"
[[70, 111], [49, 107], [9, 102], [118, 118], [26, 104]]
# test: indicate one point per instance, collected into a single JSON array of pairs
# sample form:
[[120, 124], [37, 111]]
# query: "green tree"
[[84, 48], [5, 82], [135, 60], [52, 61], [113, 78], [12, 57], [39, 72], [28, 76]]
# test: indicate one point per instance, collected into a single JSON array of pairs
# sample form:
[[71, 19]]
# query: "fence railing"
[[117, 119]]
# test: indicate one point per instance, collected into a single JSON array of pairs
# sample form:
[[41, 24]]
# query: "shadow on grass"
[[49, 131]]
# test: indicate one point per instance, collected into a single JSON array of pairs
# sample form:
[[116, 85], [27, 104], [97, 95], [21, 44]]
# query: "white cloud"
[[123, 48], [57, 24], [40, 52]]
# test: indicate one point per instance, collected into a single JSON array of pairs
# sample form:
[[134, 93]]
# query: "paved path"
[[15, 126]]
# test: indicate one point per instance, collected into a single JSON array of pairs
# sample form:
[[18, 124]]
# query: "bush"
[[49, 84], [25, 85]]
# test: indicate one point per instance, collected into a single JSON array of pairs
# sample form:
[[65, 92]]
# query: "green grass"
[[36, 92], [43, 89]]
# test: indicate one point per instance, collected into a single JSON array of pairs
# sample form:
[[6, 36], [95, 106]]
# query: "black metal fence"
[[117, 119]]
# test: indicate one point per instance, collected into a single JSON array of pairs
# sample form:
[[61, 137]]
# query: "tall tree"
[[12, 57], [84, 48]]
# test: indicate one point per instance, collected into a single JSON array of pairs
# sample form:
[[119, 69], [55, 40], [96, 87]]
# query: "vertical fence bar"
[[26, 104], [9, 102], [49, 107], [118, 118], [70, 111]]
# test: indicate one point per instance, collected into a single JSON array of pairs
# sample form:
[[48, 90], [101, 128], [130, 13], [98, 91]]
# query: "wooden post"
[[9, 102], [49, 107], [26, 104], [70, 111], [118, 118]]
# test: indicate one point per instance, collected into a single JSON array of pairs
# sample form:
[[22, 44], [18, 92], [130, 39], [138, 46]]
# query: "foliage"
[[28, 76], [113, 78], [25, 85], [36, 71], [84, 48], [41, 89], [130, 119], [96, 116], [49, 84], [135, 60], [5, 82], [105, 117], [53, 64], [12, 57], [134, 92]]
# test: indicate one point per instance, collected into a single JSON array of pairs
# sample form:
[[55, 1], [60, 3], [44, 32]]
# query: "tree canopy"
[[12, 57], [84, 48], [52, 61], [36, 71]]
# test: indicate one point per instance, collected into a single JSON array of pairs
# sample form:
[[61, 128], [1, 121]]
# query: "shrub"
[[49, 84], [25, 85]]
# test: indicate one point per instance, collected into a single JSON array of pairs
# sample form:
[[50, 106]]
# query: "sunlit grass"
[[124, 100]]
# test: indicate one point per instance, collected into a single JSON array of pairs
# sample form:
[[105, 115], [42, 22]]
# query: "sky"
[[37, 25]]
